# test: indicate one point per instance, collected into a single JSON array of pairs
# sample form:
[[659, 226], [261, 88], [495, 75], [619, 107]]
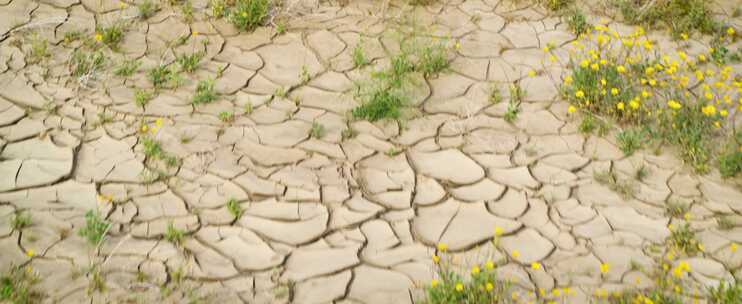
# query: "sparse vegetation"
[[174, 235], [86, 63], [147, 8], [16, 286], [623, 187], [127, 68], [205, 92], [111, 36], [683, 239], [317, 131], [226, 116], [234, 208], [577, 22], [189, 62], [245, 15], [39, 49], [359, 56], [142, 97], [630, 140], [678, 16], [20, 220], [95, 229], [676, 209]]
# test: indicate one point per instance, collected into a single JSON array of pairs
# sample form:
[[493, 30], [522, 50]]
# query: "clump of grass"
[[630, 140], [480, 286], [226, 116], [590, 124], [164, 76], [724, 222], [386, 95], [641, 173], [127, 68], [317, 131], [359, 56], [248, 108], [494, 96], [205, 92], [304, 74], [726, 293], [187, 10], [152, 148], [280, 92], [174, 235], [577, 22], [730, 161], [20, 220], [234, 208], [95, 228], [39, 49], [348, 133], [111, 36], [679, 16], [142, 97], [609, 179], [189, 62], [676, 209], [71, 36], [557, 5], [16, 286], [147, 8], [84, 63], [684, 240], [516, 98], [246, 15]]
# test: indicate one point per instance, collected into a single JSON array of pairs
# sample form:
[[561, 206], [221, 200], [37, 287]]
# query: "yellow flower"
[[579, 94], [556, 292], [620, 69], [515, 254], [674, 104], [634, 104], [652, 82], [514, 295], [686, 216], [614, 91], [604, 268], [594, 66], [531, 73], [568, 80], [733, 247], [98, 37], [709, 110], [195, 33], [684, 266], [475, 270], [144, 128], [730, 31], [489, 265], [684, 36], [701, 58], [436, 259], [442, 247], [584, 63], [546, 49], [620, 106], [498, 231], [535, 266], [571, 109], [158, 123], [433, 283], [244, 14], [723, 113], [457, 45], [700, 246], [603, 82], [30, 253], [646, 94], [489, 286], [459, 287]]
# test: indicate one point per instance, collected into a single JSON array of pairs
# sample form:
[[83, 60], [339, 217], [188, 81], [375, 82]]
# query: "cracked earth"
[[333, 219]]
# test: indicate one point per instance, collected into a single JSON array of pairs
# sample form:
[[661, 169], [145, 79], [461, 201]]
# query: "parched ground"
[[330, 219]]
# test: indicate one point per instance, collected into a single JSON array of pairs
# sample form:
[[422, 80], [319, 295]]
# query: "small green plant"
[[71, 36], [147, 8], [609, 179], [383, 104], [111, 36], [641, 173], [359, 56], [95, 228], [152, 148], [248, 108], [16, 286], [174, 235], [158, 76], [226, 116], [577, 22], [280, 92], [205, 92], [20, 220], [234, 208], [494, 94], [127, 68], [82, 63], [432, 59], [304, 75], [730, 163], [246, 15], [726, 293], [587, 124], [187, 10], [630, 140], [39, 49], [97, 281], [676, 209], [189, 62], [516, 97], [556, 5], [142, 97], [317, 131], [393, 151], [684, 240]]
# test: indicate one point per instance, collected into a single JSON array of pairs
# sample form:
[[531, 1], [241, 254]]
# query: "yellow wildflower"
[[144, 128], [674, 104], [584, 63], [594, 66], [579, 94], [733, 247], [195, 33], [620, 106], [475, 270], [442, 247], [620, 69], [515, 254], [98, 37], [709, 110], [531, 73], [29, 253], [489, 265], [535, 266], [489, 286], [634, 104], [433, 283], [723, 113], [459, 287], [686, 216], [498, 231], [436, 259], [701, 58], [730, 31], [684, 36], [604, 268], [571, 109], [614, 91]]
